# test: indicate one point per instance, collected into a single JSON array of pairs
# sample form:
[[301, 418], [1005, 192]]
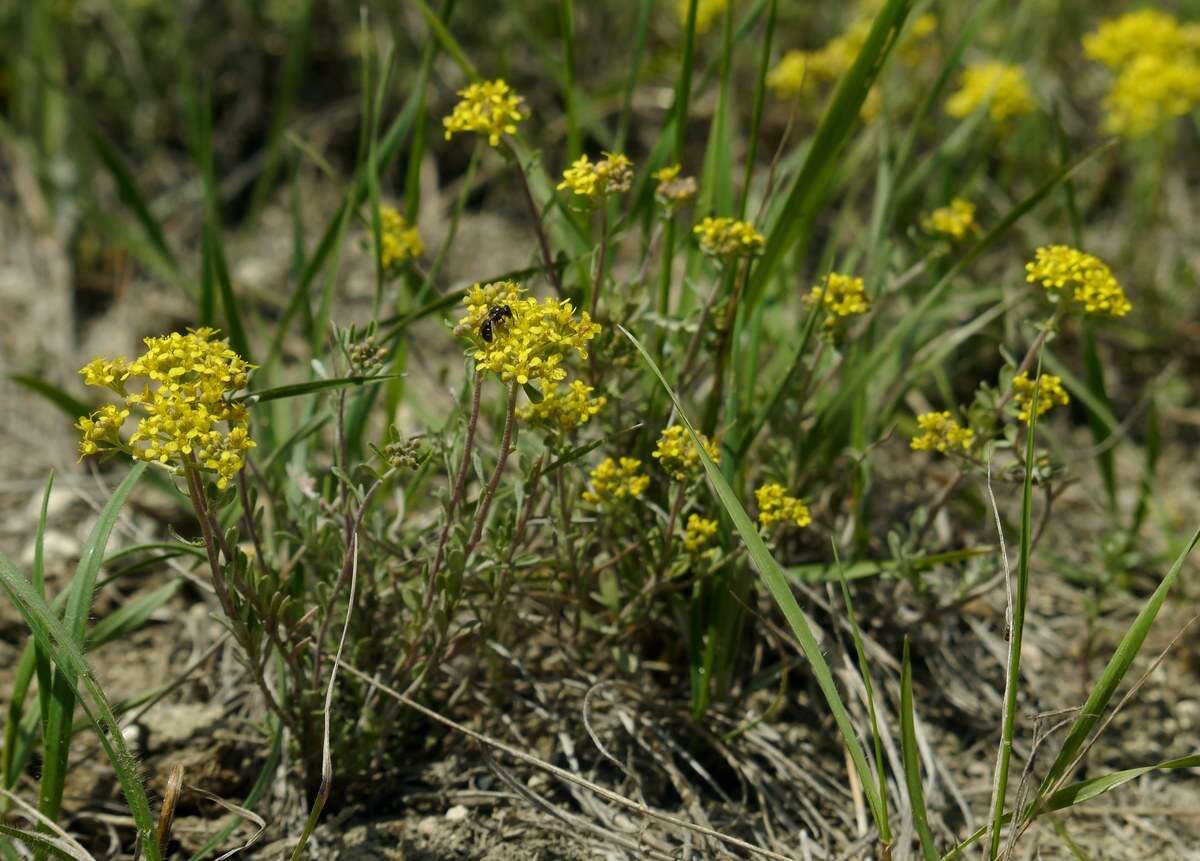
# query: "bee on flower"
[[520, 339], [941, 433], [1000, 87], [186, 416], [489, 108], [728, 238], [678, 456], [615, 482], [613, 174], [1073, 276], [1049, 391], [776, 506]]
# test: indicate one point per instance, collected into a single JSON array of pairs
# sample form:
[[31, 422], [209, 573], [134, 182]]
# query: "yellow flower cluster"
[[1002, 87], [1074, 276], [186, 416], [673, 189], [614, 482], [400, 242], [489, 108], [1118, 41], [940, 432], [613, 174], [803, 72], [840, 296], [707, 12], [1150, 91], [699, 532], [677, 454], [1050, 394], [728, 237], [955, 220], [563, 411], [775, 506], [530, 342]]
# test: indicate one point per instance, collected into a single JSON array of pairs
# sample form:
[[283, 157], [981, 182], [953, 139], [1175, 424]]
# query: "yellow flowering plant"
[[182, 391], [488, 108], [1001, 88]]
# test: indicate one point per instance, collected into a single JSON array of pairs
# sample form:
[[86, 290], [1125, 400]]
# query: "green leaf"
[[295, 390], [62, 646], [912, 760], [811, 183], [776, 583], [56, 742], [69, 404]]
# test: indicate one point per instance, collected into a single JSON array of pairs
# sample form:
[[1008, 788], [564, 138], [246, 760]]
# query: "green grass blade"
[[70, 405], [810, 186], [447, 42], [756, 114], [62, 645], [1012, 680], [41, 661], [56, 741], [1114, 672], [776, 583], [912, 760], [864, 668], [296, 390], [132, 197]]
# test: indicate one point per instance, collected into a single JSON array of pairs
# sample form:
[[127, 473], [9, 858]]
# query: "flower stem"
[[485, 503], [460, 484], [536, 217]]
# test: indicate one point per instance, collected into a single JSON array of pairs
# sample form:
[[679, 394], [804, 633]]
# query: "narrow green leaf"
[[70, 406], [62, 646], [810, 186], [295, 390], [912, 760], [776, 583]]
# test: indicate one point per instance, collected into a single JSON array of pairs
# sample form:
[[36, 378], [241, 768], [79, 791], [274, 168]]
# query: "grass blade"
[[56, 742], [912, 760], [70, 405], [776, 583], [810, 185], [62, 646]]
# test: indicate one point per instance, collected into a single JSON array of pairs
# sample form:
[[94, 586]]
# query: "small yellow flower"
[[775, 506], [840, 296], [707, 12], [614, 482], [1073, 276], [955, 220], [613, 174], [1002, 87], [728, 237], [400, 242], [563, 411], [1050, 394], [1118, 41], [699, 532], [940, 432], [186, 416], [677, 454], [1150, 91], [106, 373], [532, 344], [673, 189], [489, 108]]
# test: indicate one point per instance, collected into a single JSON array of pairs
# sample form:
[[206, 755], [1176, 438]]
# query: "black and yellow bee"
[[497, 316]]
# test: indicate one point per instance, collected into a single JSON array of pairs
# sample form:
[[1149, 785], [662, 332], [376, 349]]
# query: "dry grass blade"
[[166, 814], [561, 773], [236, 810], [62, 842]]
